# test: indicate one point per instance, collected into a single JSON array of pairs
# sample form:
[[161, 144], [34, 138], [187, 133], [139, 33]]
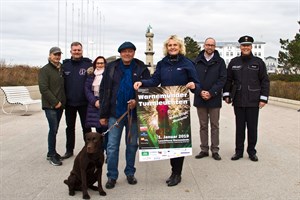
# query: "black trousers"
[[71, 114], [177, 164], [246, 117]]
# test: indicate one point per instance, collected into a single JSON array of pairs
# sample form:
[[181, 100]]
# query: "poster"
[[164, 126]]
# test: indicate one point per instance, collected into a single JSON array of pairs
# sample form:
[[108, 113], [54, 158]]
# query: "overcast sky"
[[29, 28]]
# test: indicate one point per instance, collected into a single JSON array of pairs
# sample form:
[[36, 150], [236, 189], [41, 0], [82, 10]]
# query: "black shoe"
[[58, 156], [216, 156], [174, 180], [202, 154], [67, 155], [170, 178], [110, 183], [254, 158], [54, 160], [131, 180], [236, 157]]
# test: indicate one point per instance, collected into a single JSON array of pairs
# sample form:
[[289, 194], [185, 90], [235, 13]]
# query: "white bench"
[[17, 95]]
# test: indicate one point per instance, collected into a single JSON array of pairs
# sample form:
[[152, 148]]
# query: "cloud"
[[30, 28]]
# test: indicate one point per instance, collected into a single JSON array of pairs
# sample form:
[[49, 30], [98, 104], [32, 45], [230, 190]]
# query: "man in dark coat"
[[116, 95], [75, 73], [212, 73], [247, 87]]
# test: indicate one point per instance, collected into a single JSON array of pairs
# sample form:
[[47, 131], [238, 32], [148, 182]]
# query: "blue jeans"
[[53, 117], [113, 146]]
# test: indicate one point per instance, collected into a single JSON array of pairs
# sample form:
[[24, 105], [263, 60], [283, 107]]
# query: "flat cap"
[[126, 45], [55, 50], [246, 40]]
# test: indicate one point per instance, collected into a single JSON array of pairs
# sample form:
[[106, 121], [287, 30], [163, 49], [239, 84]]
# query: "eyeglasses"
[[57, 54], [99, 63], [210, 45]]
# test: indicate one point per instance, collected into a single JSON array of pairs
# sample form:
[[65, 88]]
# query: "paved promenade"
[[26, 174]]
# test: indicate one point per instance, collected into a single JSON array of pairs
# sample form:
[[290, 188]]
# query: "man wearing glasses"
[[212, 73]]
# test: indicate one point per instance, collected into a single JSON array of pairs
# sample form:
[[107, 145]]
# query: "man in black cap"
[[116, 96], [247, 87]]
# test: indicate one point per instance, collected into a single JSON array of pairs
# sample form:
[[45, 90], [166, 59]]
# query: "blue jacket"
[[212, 76], [110, 85], [92, 115], [170, 73], [75, 76]]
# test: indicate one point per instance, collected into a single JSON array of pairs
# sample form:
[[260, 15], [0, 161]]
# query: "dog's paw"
[[86, 196], [102, 193], [71, 192]]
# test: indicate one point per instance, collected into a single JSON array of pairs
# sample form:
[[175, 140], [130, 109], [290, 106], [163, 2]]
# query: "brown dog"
[[87, 167]]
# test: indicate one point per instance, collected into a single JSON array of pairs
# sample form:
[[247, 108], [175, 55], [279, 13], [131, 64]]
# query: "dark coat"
[[111, 82], [92, 115], [247, 81], [75, 76], [51, 85], [212, 76]]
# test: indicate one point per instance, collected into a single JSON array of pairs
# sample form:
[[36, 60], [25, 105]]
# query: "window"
[[227, 53]]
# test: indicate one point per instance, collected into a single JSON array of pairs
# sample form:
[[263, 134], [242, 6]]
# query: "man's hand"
[[261, 104], [103, 122], [227, 100], [131, 104], [58, 105]]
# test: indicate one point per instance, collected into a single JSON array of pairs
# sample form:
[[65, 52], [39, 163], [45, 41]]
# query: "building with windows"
[[271, 64]]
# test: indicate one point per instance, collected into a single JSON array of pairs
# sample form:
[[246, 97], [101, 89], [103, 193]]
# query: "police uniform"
[[247, 85]]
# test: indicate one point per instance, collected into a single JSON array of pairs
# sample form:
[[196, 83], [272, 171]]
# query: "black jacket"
[[110, 85], [212, 75], [247, 81]]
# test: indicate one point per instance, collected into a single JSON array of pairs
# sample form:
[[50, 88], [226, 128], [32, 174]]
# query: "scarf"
[[97, 80], [126, 90]]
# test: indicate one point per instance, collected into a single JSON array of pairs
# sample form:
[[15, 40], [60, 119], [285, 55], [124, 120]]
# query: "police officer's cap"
[[246, 40], [126, 45]]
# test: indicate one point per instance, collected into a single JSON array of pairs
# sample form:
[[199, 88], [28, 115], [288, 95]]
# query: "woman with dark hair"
[[92, 87]]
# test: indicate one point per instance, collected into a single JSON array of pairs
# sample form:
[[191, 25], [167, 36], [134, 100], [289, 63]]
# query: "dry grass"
[[288, 90], [18, 75]]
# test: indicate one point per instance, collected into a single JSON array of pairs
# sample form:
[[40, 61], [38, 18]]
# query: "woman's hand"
[[137, 85]]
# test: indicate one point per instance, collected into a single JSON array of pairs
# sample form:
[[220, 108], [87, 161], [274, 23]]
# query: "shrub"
[[285, 77], [18, 75], [288, 90]]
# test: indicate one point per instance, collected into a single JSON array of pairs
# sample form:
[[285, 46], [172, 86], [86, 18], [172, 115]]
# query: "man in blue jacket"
[[116, 95], [75, 73], [212, 73]]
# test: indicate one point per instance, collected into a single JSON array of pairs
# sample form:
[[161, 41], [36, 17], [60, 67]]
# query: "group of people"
[[102, 93]]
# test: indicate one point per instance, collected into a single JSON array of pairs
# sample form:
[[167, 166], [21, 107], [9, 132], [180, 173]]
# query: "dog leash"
[[129, 117]]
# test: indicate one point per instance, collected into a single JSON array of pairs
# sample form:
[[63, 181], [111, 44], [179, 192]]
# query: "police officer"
[[247, 87]]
